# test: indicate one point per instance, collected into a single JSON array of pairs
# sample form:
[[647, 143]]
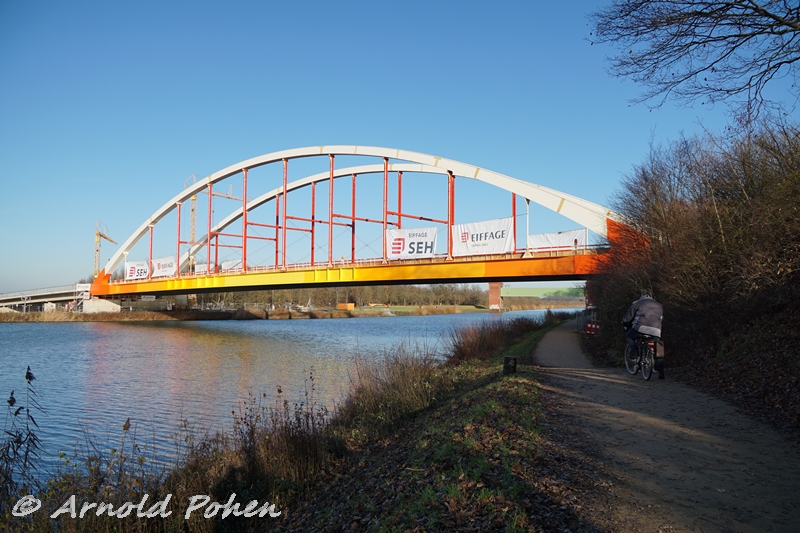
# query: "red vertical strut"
[[353, 224], [514, 216], [399, 200], [385, 203], [150, 262], [452, 198], [178, 257], [208, 237], [330, 218], [277, 226], [450, 212], [244, 220], [285, 191], [216, 253], [313, 211]]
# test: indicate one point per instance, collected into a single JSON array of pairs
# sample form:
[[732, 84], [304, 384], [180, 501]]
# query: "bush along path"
[[672, 458]]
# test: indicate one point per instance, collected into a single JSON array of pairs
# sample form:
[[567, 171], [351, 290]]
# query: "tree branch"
[[693, 49]]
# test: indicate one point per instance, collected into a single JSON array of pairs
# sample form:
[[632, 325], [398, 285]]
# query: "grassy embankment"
[[417, 443]]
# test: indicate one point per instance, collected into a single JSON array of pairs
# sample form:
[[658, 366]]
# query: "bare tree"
[[710, 51]]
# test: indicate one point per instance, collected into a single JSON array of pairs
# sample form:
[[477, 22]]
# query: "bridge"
[[451, 264], [37, 299], [222, 257]]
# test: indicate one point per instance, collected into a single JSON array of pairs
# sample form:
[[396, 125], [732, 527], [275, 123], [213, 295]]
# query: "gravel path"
[[677, 459]]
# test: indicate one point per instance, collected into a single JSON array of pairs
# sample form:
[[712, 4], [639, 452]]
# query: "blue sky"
[[107, 107]]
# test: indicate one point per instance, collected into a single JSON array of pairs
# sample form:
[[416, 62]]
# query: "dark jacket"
[[645, 315]]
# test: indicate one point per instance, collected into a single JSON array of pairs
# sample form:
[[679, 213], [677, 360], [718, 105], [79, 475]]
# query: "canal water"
[[93, 376]]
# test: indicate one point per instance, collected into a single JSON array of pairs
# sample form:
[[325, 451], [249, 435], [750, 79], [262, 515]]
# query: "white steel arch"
[[584, 212]]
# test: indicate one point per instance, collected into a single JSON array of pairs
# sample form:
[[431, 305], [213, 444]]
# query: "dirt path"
[[676, 458]]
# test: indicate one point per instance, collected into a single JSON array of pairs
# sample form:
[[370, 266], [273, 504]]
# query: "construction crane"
[[191, 180], [100, 232]]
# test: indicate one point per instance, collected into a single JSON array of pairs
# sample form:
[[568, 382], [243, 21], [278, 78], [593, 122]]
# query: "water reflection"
[[93, 376]]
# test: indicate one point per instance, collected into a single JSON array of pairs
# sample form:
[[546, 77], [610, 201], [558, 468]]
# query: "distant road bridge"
[[35, 299], [464, 254]]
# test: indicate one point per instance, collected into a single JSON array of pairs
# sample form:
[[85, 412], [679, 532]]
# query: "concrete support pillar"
[[495, 301]]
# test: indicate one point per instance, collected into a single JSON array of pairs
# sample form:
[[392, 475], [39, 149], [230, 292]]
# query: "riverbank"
[[275, 314], [295, 456]]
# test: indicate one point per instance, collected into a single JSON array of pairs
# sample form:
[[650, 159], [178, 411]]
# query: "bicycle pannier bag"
[[659, 349]]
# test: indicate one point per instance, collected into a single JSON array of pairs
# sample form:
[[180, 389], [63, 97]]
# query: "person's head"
[[647, 293]]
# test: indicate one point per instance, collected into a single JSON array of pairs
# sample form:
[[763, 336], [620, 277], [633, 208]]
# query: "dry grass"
[[385, 390], [550, 303], [485, 339]]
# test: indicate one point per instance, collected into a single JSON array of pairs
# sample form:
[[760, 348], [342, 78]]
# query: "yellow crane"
[[100, 232]]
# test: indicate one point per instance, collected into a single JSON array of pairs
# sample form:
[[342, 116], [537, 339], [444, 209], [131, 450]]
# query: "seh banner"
[[136, 270], [165, 266], [416, 243], [482, 238]]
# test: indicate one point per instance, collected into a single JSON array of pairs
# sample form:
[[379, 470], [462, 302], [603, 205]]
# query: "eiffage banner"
[[482, 238], [164, 266]]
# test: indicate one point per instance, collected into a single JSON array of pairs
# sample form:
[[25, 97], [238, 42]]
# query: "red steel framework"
[[178, 256], [282, 219], [150, 260]]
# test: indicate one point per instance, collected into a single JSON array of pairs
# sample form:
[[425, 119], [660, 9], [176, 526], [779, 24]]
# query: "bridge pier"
[[495, 300]]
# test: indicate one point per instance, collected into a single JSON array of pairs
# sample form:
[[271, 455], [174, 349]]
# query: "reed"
[[20, 447], [487, 338], [386, 389]]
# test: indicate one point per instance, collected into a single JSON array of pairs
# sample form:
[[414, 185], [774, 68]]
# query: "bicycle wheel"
[[648, 361], [630, 362]]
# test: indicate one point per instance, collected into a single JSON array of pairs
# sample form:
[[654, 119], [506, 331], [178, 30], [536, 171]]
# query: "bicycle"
[[646, 359]]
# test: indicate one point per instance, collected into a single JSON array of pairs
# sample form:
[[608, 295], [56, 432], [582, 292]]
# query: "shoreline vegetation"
[[279, 314], [467, 435]]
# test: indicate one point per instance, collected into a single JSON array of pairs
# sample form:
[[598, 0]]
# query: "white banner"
[[200, 268], [84, 289], [164, 266], [415, 243], [231, 265], [483, 238], [136, 270], [563, 240]]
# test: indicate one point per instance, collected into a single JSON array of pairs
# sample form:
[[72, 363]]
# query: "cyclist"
[[643, 318]]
